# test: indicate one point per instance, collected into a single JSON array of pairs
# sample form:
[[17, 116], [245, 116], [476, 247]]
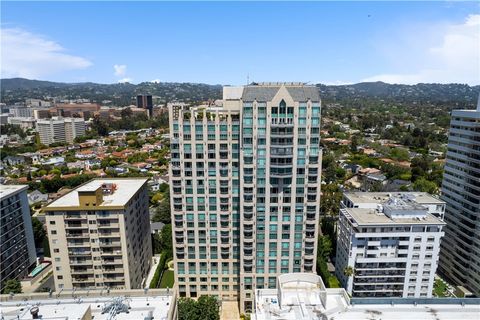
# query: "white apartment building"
[[388, 244], [24, 123], [21, 112], [99, 235], [245, 177], [74, 127], [17, 247], [60, 130], [460, 255]]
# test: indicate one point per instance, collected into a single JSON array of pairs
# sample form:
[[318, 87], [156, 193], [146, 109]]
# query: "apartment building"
[[388, 244], [245, 177], [60, 130], [74, 127], [21, 112], [17, 246], [460, 255], [99, 235]]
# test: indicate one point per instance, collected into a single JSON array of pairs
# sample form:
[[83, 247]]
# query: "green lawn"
[[439, 288], [333, 282], [167, 279]]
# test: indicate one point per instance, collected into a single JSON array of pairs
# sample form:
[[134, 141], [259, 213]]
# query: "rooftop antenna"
[[248, 79]]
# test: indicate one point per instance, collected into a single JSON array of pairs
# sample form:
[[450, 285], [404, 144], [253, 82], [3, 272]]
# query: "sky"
[[235, 42]]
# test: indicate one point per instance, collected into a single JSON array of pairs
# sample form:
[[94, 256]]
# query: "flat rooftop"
[[364, 216], [339, 308], [124, 191], [409, 312], [7, 190], [159, 305], [380, 197]]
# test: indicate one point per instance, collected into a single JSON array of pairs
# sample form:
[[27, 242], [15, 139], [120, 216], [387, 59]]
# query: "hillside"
[[360, 94]]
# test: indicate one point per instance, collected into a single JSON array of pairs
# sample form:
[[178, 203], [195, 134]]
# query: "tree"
[[165, 239], [39, 233], [126, 113], [423, 185], [12, 286], [210, 307], [206, 307], [187, 309], [348, 271], [99, 126], [162, 213], [354, 144]]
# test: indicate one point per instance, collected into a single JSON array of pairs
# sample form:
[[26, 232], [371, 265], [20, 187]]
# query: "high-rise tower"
[[460, 252], [245, 192]]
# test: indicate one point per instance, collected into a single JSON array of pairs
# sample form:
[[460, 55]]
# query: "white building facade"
[[388, 244], [460, 258], [60, 130], [74, 127]]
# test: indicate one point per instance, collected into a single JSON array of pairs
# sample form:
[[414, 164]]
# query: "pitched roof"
[[266, 92]]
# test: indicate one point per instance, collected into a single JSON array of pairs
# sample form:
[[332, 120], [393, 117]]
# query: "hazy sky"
[[224, 43]]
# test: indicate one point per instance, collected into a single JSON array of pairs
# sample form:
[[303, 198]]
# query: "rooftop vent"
[[108, 188]]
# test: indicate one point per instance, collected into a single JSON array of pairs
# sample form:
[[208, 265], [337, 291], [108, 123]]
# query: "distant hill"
[[17, 89], [26, 84], [424, 93]]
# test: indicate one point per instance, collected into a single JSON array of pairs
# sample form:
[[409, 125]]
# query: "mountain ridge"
[[16, 89]]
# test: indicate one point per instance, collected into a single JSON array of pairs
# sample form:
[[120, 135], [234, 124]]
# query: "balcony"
[[108, 234], [74, 217], [112, 261], [80, 253], [110, 244], [77, 235], [247, 252], [81, 262], [113, 270], [81, 271], [76, 226], [107, 225], [78, 244], [83, 279], [111, 252]]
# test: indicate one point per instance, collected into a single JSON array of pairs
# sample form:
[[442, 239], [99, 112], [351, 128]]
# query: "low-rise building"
[[100, 304], [303, 296], [388, 244], [24, 123]]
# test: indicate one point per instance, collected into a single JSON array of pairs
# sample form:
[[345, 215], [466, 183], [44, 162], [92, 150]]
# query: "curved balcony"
[[225, 255], [309, 245], [308, 262], [247, 262], [247, 234]]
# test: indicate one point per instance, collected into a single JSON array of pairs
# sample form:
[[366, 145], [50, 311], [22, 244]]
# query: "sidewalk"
[[155, 262], [230, 310]]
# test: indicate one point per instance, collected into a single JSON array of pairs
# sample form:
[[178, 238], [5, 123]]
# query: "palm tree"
[[349, 271]]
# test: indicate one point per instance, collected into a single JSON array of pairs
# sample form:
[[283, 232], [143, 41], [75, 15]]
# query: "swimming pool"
[[38, 269]]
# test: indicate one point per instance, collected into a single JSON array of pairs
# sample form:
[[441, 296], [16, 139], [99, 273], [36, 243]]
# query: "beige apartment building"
[[99, 235], [245, 178]]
